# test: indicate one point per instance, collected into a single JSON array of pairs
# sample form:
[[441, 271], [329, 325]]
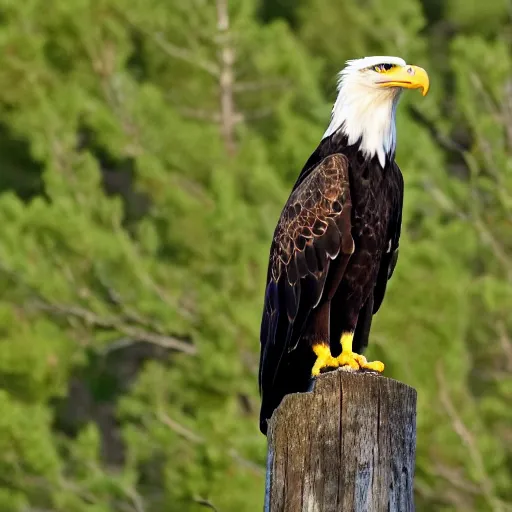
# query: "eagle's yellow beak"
[[408, 77]]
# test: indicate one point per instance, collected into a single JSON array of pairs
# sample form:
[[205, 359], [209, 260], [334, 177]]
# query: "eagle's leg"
[[318, 334], [354, 361]]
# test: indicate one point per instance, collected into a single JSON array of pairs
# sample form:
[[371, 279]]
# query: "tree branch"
[[487, 488], [226, 77], [479, 225], [444, 141], [185, 55], [497, 248], [180, 429], [505, 343], [89, 317], [206, 503], [176, 52], [251, 115], [197, 439]]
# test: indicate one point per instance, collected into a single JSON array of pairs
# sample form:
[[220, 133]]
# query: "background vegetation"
[[146, 150]]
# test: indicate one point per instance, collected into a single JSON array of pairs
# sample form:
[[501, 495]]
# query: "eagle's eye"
[[380, 68]]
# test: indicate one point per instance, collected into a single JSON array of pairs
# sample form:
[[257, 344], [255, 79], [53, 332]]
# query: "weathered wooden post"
[[349, 445]]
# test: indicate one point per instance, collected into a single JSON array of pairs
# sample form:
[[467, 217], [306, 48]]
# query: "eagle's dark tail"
[[294, 376]]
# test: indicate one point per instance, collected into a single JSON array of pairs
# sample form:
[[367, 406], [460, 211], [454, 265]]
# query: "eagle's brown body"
[[334, 248]]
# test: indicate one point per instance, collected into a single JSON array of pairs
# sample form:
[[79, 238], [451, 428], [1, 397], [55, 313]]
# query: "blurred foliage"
[[147, 149]]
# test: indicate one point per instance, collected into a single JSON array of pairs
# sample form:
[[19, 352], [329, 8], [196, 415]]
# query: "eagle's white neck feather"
[[365, 113]]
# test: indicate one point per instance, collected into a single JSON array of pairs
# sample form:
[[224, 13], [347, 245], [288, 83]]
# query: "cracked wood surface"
[[348, 445]]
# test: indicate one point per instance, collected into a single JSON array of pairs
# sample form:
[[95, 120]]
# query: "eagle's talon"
[[359, 362], [348, 359], [324, 360], [374, 366]]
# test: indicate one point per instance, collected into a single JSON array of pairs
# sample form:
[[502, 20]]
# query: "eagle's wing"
[[390, 257], [314, 228], [387, 264]]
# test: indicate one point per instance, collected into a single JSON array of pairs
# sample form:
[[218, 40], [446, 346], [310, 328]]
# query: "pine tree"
[[147, 148], [160, 188]]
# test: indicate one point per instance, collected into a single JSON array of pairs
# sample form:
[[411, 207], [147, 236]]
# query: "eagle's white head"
[[368, 93]]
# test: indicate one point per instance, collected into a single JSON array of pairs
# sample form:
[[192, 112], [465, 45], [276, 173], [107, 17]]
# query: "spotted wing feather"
[[313, 229]]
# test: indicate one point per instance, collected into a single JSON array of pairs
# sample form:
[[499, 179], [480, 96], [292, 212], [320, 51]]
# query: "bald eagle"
[[336, 242]]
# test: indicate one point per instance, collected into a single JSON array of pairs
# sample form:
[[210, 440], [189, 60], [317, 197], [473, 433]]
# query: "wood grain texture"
[[348, 445]]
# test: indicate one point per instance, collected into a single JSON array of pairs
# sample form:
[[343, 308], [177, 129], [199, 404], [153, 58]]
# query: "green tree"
[[146, 151], [161, 185]]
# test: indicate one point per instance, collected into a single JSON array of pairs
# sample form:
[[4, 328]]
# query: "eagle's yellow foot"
[[359, 362], [355, 361], [324, 359]]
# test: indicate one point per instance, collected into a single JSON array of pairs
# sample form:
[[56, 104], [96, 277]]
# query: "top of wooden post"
[[348, 445]]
